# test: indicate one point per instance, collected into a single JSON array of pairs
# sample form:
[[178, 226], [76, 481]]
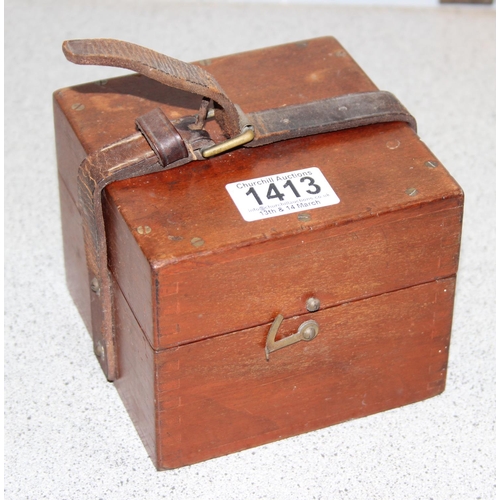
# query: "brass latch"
[[307, 331]]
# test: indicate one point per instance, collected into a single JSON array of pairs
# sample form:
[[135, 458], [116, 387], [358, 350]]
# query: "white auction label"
[[282, 194]]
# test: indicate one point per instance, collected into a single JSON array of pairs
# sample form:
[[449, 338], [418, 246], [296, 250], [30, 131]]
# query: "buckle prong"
[[246, 136]]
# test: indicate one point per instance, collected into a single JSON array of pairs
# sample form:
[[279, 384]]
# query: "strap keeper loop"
[[162, 136]]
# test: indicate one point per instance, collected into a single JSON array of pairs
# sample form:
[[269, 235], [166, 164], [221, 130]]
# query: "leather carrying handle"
[[163, 69]]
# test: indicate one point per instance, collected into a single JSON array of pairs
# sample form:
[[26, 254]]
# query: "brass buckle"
[[245, 137]]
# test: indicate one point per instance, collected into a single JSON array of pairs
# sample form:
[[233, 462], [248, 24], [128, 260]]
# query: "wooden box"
[[196, 287]]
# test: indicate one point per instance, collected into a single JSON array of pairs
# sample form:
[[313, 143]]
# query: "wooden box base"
[[218, 396]]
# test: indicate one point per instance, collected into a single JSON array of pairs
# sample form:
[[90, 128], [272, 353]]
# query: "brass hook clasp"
[[307, 331]]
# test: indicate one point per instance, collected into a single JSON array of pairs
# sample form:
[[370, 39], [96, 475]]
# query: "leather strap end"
[[164, 69]]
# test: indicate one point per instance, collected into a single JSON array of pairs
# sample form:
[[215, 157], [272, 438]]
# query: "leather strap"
[[127, 158], [162, 144], [159, 67], [327, 115]]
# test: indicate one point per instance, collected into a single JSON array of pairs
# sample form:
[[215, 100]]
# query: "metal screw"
[[304, 217], [411, 191], [431, 164], [197, 242], [309, 333], [312, 304], [94, 285], [144, 230], [99, 350], [78, 106]]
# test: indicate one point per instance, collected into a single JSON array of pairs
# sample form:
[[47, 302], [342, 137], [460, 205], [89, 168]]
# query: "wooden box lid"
[[189, 265]]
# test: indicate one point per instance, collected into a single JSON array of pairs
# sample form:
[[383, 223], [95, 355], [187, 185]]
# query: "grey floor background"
[[67, 435]]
